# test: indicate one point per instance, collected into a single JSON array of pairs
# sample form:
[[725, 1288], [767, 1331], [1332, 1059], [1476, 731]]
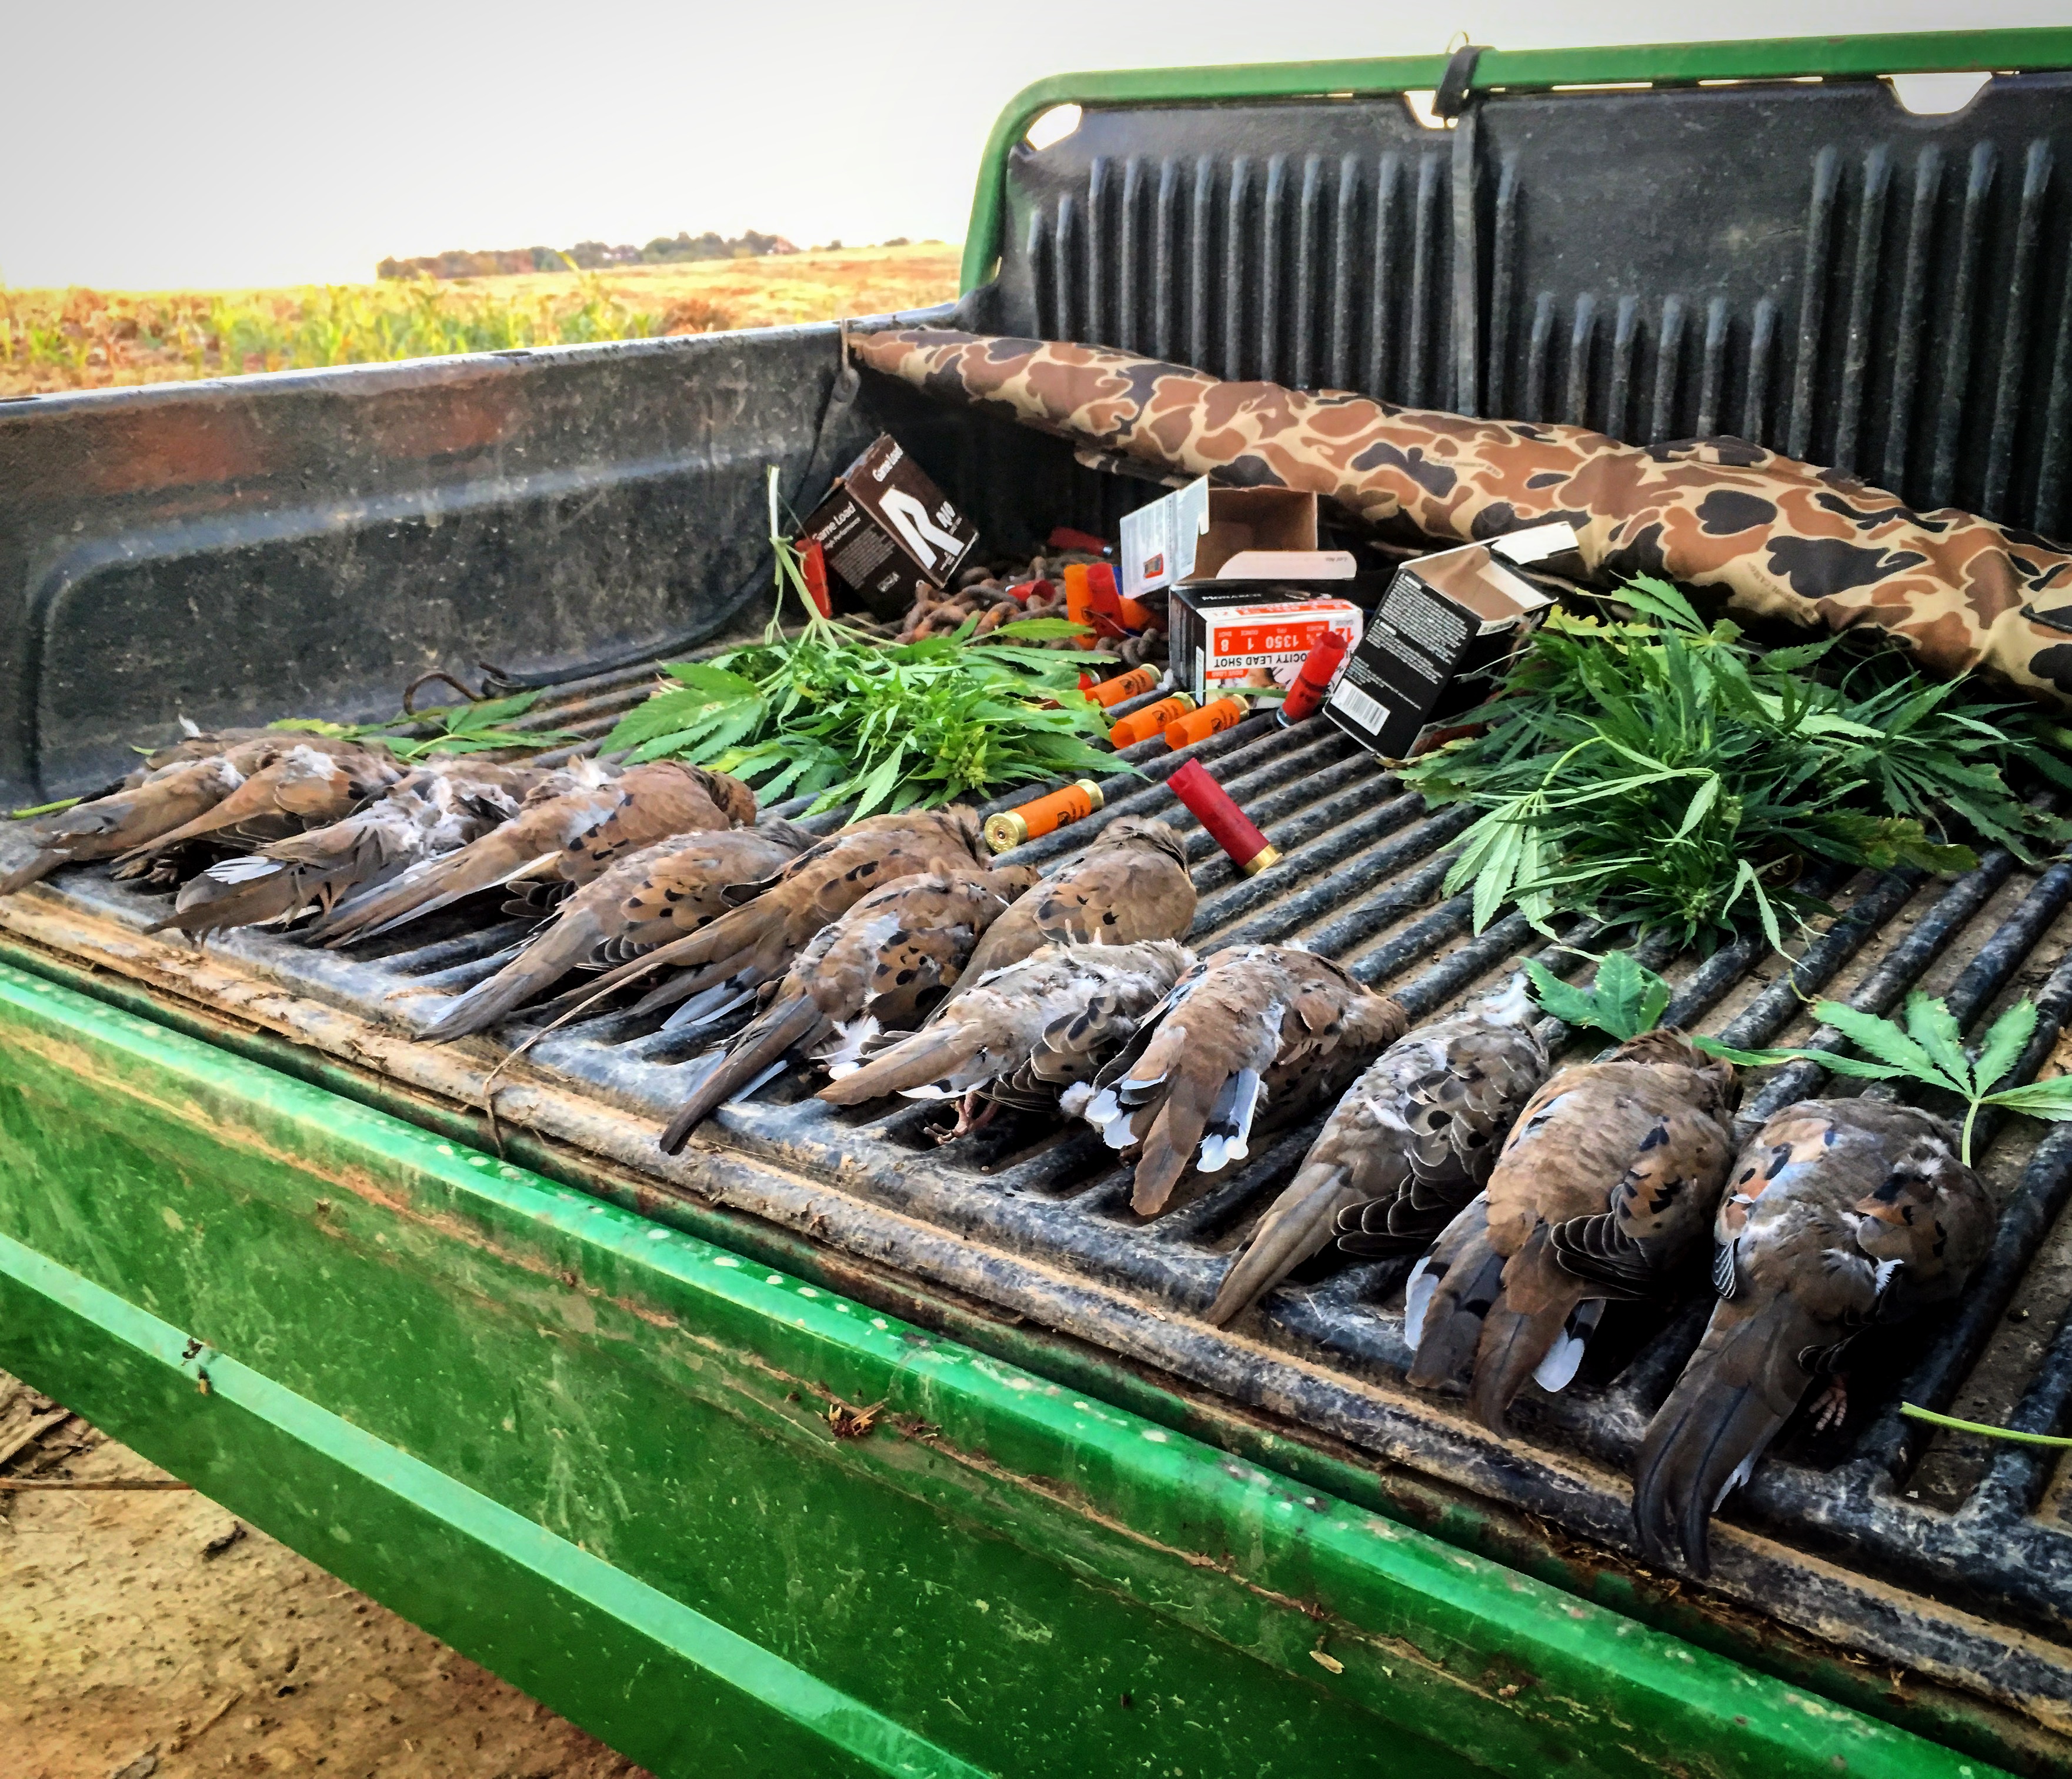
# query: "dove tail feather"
[[1520, 1331], [1722, 1416], [1296, 1225], [714, 978], [1450, 1328], [263, 896], [37, 869], [1187, 1103], [421, 889], [927, 1056], [775, 1031], [540, 966]]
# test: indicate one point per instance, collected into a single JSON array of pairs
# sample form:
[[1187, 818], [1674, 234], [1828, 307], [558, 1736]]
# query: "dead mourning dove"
[[656, 801], [139, 813], [1259, 1034], [437, 809], [571, 834], [723, 963], [645, 901], [1031, 1031], [1412, 1142], [308, 784], [1840, 1214], [199, 743], [1131, 883], [1605, 1184], [884, 964]]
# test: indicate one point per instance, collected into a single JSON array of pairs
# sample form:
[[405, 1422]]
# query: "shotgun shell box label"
[[888, 531], [1431, 651], [1259, 647]]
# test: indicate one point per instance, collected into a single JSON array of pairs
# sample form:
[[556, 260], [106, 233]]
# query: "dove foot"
[[1832, 1405]]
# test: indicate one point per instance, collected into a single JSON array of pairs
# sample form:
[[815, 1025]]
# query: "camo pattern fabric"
[[1783, 539]]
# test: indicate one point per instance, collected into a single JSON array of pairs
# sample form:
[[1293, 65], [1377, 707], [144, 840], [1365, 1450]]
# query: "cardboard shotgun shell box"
[[889, 531], [1445, 622], [1230, 637], [1193, 532]]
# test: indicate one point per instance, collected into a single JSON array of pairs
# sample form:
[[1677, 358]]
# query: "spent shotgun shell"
[[1209, 720], [1224, 822], [1150, 721], [1320, 667], [1011, 828]]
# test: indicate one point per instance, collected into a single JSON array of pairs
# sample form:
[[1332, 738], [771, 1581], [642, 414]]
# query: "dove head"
[[1666, 1047], [734, 799], [1010, 881], [1143, 831]]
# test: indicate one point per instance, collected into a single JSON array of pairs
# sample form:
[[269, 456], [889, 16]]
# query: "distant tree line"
[[589, 256]]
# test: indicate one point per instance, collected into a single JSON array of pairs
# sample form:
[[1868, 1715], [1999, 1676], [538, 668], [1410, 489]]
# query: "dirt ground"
[[151, 1636]]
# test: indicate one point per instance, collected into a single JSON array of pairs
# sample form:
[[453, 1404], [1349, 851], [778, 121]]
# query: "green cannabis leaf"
[[1657, 772], [1928, 1048], [474, 728], [1625, 999], [834, 714]]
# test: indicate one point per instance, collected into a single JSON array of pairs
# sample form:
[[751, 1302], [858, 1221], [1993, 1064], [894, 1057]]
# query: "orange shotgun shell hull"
[[1012, 828], [1135, 683], [1150, 721], [1210, 719]]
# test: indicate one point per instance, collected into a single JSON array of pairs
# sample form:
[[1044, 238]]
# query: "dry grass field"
[[80, 338]]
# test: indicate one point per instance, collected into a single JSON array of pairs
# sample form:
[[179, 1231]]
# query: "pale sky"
[[159, 147]]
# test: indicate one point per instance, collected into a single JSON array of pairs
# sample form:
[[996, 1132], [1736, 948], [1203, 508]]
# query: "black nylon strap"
[[1452, 96]]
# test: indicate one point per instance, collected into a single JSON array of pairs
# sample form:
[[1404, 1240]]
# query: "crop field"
[[78, 338]]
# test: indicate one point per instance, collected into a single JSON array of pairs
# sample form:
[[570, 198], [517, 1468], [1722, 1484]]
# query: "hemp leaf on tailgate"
[[475, 728]]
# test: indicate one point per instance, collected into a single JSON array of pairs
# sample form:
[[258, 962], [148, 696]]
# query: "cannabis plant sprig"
[[1929, 1048], [834, 713], [1624, 999], [475, 728], [1657, 771]]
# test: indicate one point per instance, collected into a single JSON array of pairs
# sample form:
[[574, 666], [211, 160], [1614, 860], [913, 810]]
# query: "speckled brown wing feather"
[[882, 966], [303, 786], [1840, 1216], [673, 888], [127, 818], [755, 941], [638, 903], [1409, 1143], [1640, 1141], [1258, 1034], [531, 844], [1055, 1000], [429, 813], [1131, 883], [658, 800], [1453, 1099]]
